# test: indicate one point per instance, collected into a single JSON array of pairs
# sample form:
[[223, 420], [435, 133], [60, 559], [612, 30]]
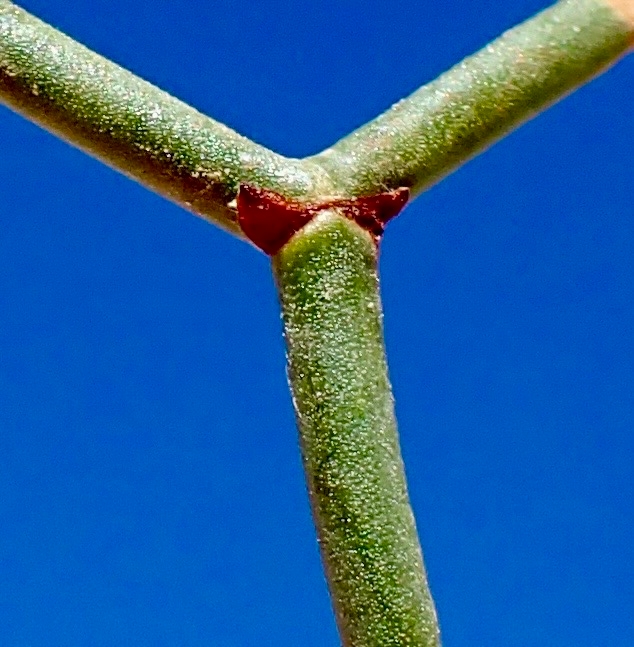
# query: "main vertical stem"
[[328, 286]]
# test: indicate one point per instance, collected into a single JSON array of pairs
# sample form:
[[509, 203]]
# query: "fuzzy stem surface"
[[133, 126], [424, 137], [328, 286]]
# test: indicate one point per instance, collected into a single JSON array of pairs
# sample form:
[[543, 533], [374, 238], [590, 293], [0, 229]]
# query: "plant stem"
[[133, 126], [328, 286], [199, 163], [426, 136], [326, 273]]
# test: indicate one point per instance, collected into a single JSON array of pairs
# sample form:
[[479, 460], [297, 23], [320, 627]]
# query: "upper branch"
[[424, 137], [133, 126]]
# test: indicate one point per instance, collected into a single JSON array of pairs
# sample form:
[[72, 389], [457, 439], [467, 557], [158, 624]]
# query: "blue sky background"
[[151, 492]]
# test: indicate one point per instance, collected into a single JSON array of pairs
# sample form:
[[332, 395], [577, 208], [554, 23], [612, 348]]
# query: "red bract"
[[269, 220]]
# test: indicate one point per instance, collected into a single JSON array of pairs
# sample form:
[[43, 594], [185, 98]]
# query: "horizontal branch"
[[199, 163], [426, 136], [133, 126]]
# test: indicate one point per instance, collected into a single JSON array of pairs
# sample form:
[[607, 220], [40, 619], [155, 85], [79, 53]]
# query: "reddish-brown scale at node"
[[373, 212], [267, 219], [390, 204]]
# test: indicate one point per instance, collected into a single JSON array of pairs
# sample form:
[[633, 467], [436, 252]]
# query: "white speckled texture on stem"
[[328, 285]]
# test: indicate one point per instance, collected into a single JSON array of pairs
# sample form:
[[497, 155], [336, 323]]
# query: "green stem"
[[133, 126], [326, 274], [328, 288], [426, 136], [197, 162]]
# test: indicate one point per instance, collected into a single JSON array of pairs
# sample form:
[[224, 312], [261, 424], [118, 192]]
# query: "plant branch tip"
[[625, 10]]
